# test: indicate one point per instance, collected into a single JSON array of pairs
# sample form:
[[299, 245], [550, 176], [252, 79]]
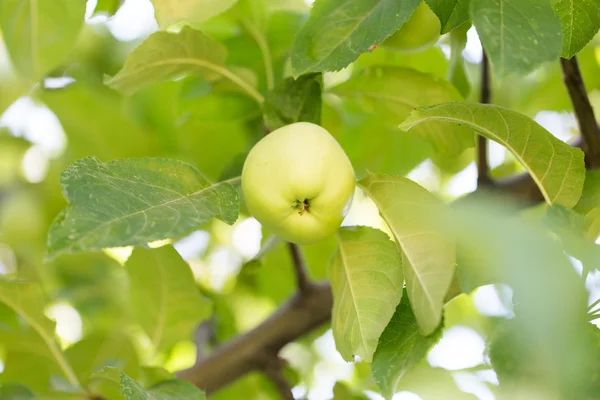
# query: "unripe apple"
[[422, 30], [298, 183]]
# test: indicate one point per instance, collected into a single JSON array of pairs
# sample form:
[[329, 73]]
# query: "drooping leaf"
[[580, 20], [393, 92], [401, 346], [39, 34], [428, 256], [589, 203], [341, 391], [518, 35], [457, 74], [366, 278], [338, 31], [294, 100], [108, 7], [169, 12], [452, 13], [131, 202], [557, 168], [164, 297]]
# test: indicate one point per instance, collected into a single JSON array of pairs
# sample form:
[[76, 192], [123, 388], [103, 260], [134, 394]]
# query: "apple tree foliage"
[[157, 132]]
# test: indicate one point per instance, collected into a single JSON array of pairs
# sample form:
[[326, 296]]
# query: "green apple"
[[422, 30], [298, 183]]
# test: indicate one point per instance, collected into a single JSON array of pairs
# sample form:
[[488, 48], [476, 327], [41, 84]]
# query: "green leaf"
[[15, 392], [392, 92], [164, 297], [131, 202], [517, 35], [169, 12], [366, 278], [338, 31], [26, 300], [556, 167], [457, 74], [580, 20], [166, 55], [39, 34], [428, 256], [341, 391], [400, 347], [452, 13], [590, 197], [108, 7], [294, 100]]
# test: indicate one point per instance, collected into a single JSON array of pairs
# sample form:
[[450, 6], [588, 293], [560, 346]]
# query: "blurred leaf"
[[580, 20], [169, 12], [133, 202], [431, 61], [40, 34], [517, 35], [341, 391], [431, 383], [401, 346], [452, 13], [556, 167], [164, 297], [366, 278], [457, 74], [150, 376], [109, 7], [590, 197], [294, 100], [15, 392], [428, 257], [392, 92], [338, 31]]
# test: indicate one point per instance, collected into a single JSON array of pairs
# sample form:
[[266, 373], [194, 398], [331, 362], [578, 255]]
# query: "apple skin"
[[421, 31], [298, 183]]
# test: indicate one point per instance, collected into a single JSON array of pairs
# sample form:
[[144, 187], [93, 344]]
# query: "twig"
[[274, 371], [483, 178], [302, 280], [593, 305], [203, 337], [588, 126]]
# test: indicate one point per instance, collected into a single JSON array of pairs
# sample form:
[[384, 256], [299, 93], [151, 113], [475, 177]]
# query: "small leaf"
[[39, 34], [457, 74], [294, 100], [367, 281], [164, 297], [131, 202], [452, 13], [108, 7], [428, 257], [392, 92], [338, 31], [557, 168], [590, 197], [169, 12], [341, 391], [518, 35], [400, 347], [580, 20]]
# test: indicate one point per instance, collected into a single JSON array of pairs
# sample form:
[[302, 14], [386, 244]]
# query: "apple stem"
[[302, 206]]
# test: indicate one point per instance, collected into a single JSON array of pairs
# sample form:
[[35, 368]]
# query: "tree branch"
[[483, 178], [588, 126], [275, 373], [300, 268]]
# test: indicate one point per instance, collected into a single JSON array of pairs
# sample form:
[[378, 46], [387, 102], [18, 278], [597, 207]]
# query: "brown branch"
[[274, 371], [483, 178], [588, 126], [302, 280]]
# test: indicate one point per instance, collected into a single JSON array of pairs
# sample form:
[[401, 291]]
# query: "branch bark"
[[275, 373], [300, 268], [483, 178]]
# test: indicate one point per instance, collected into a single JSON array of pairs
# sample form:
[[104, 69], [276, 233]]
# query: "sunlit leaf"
[[580, 20], [108, 7], [557, 168], [589, 203], [428, 256], [135, 201], [164, 297], [452, 13], [169, 12], [518, 35], [341, 391], [393, 92], [39, 34], [401, 346], [366, 277], [338, 31]]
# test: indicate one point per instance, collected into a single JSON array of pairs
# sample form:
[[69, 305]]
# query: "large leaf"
[[164, 297], [132, 202], [294, 100], [26, 300], [338, 31], [393, 92], [400, 347], [166, 55], [39, 34], [557, 168], [580, 20], [367, 281], [452, 13], [518, 35], [169, 12], [428, 257]]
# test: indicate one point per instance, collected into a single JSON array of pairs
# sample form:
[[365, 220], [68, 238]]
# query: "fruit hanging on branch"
[[421, 31]]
